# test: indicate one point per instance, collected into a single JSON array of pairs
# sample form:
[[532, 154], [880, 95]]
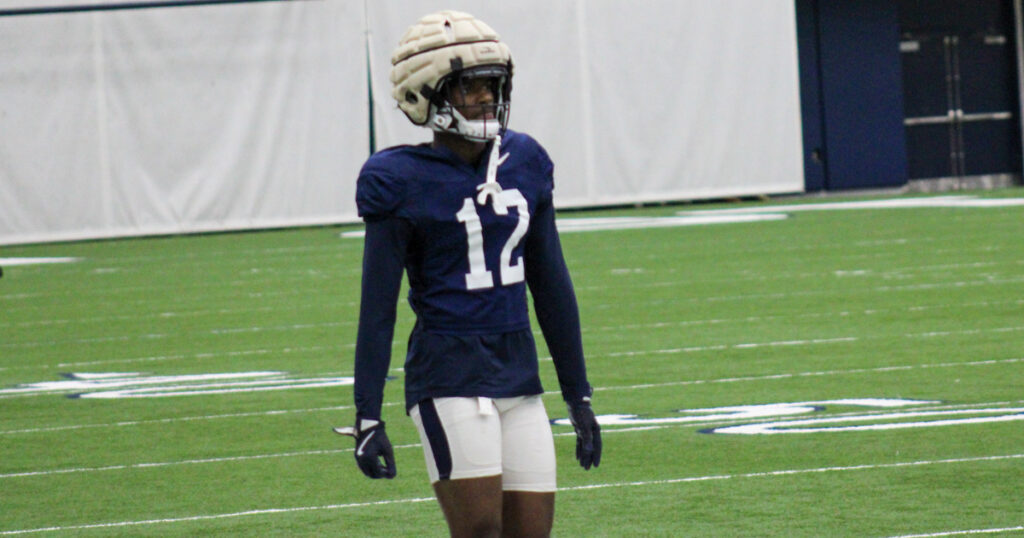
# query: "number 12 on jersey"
[[479, 277]]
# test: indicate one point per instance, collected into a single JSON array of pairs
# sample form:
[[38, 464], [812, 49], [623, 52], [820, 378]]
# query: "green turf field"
[[898, 331]]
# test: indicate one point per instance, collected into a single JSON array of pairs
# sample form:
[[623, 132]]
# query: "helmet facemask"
[[451, 109]]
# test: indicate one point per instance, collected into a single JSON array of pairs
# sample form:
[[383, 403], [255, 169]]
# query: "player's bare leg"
[[527, 514], [472, 506]]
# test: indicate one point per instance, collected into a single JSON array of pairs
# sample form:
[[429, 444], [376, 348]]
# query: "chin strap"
[[491, 187]]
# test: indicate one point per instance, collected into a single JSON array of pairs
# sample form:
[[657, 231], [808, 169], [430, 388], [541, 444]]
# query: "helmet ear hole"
[[411, 97]]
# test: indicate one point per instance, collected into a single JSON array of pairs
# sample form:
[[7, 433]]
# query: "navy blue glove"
[[373, 452], [588, 433]]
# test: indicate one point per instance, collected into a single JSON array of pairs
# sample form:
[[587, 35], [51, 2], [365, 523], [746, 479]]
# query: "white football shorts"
[[477, 437]]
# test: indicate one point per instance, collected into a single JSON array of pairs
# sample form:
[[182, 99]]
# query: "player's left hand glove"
[[372, 446], [588, 433]]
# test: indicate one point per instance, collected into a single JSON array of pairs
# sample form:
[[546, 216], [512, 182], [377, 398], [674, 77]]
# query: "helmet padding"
[[439, 48]]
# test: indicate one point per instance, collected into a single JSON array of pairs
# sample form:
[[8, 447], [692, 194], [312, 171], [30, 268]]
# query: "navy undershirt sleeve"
[[555, 304], [384, 251]]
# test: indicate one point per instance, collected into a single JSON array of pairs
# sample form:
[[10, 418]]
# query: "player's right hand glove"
[[374, 455], [588, 433]]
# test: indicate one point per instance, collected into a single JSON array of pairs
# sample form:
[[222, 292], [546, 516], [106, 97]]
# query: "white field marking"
[[996, 330], [197, 356], [609, 423], [790, 294], [274, 288], [569, 225], [736, 418], [230, 459], [228, 331], [153, 465], [787, 343], [793, 472], [918, 308], [87, 381], [892, 203], [162, 336], [35, 261], [751, 276], [804, 293], [171, 420], [259, 512], [136, 385], [659, 284], [745, 413], [957, 284], [163, 315], [798, 426], [721, 347], [804, 315], [770, 377], [615, 485], [206, 355], [962, 532], [767, 377], [249, 256], [170, 315], [154, 315], [256, 257], [595, 224], [221, 388]]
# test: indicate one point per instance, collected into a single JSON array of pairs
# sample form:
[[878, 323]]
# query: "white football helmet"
[[437, 55]]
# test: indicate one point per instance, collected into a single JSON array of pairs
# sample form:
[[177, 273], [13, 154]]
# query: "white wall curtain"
[[241, 116], [636, 101], [181, 119]]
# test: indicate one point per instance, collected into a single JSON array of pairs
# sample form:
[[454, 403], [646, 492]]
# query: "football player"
[[469, 218]]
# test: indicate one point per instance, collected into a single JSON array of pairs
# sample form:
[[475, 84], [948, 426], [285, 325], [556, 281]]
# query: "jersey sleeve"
[[384, 251], [554, 301], [541, 162], [379, 191]]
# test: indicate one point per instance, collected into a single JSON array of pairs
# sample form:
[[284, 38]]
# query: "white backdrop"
[[255, 115], [637, 101], [181, 119]]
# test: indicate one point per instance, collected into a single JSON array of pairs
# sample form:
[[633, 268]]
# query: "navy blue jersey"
[[468, 265]]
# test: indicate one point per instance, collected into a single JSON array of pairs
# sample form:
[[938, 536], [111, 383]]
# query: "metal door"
[[959, 102]]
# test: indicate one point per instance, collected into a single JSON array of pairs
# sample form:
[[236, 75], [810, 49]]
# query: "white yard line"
[[10, 262], [740, 379], [228, 459], [655, 325], [229, 330], [152, 465], [963, 532], [721, 347], [959, 201], [611, 485], [809, 342], [161, 336], [132, 423], [691, 349], [822, 373], [191, 356], [128, 423], [805, 315]]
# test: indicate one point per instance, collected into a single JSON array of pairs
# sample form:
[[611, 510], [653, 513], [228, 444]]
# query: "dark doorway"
[[959, 88]]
